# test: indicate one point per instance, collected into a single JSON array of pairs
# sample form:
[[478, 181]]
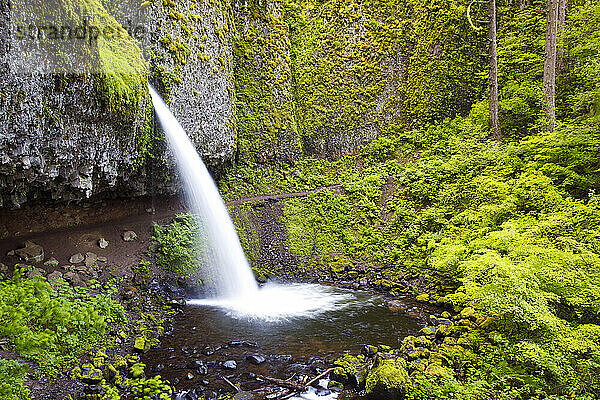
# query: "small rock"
[[52, 262], [73, 278], [255, 359], [32, 252], [140, 345], [151, 210], [90, 259], [195, 364], [76, 258], [102, 243], [36, 272], [3, 267], [190, 376], [244, 396], [11, 253], [102, 259], [129, 236], [55, 275], [230, 364]]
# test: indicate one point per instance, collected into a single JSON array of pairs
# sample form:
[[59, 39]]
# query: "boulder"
[[230, 364], [55, 275], [76, 258], [388, 380], [255, 359], [32, 252], [90, 259], [129, 236]]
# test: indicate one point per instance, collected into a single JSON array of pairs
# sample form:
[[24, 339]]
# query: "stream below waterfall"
[[211, 341]]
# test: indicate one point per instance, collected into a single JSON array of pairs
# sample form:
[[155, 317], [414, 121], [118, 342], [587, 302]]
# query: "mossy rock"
[[141, 344], [442, 330], [419, 352], [335, 386], [87, 373], [429, 331], [389, 380], [351, 369], [423, 298], [468, 313], [417, 365], [422, 341]]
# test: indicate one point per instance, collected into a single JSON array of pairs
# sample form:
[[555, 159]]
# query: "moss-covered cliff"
[[258, 82]]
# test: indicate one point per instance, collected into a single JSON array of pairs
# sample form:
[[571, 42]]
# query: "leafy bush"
[[177, 245], [54, 324], [12, 377]]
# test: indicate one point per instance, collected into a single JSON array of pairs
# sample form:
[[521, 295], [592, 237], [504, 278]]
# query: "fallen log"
[[294, 387]]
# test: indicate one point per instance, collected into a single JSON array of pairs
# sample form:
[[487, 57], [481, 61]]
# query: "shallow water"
[[301, 316], [299, 330]]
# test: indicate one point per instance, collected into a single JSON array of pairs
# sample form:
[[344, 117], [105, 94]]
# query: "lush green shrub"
[[12, 377], [53, 324], [177, 246]]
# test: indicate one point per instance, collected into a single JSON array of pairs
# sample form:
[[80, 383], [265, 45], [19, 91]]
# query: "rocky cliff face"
[[190, 55], [264, 82], [73, 136]]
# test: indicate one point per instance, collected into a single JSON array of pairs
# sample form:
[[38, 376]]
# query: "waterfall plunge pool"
[[298, 329]]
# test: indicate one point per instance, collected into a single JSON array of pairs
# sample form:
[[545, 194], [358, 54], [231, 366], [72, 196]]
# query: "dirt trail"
[[280, 196]]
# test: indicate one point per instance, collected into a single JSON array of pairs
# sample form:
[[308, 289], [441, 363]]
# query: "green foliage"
[[54, 324], [579, 83], [177, 246], [12, 377]]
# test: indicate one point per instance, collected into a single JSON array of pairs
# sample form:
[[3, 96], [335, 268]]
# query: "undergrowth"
[[53, 323]]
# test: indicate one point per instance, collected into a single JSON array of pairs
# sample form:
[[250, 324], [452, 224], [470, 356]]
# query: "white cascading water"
[[224, 263], [229, 269]]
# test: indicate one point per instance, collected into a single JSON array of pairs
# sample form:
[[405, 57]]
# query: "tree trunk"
[[562, 16], [550, 63], [494, 124]]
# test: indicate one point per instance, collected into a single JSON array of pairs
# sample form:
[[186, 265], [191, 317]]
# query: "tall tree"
[[493, 78], [550, 63], [562, 16]]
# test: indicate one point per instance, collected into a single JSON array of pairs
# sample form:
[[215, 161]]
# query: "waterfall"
[[225, 268]]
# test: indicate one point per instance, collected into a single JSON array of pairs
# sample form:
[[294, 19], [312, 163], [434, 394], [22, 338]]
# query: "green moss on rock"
[[388, 380]]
